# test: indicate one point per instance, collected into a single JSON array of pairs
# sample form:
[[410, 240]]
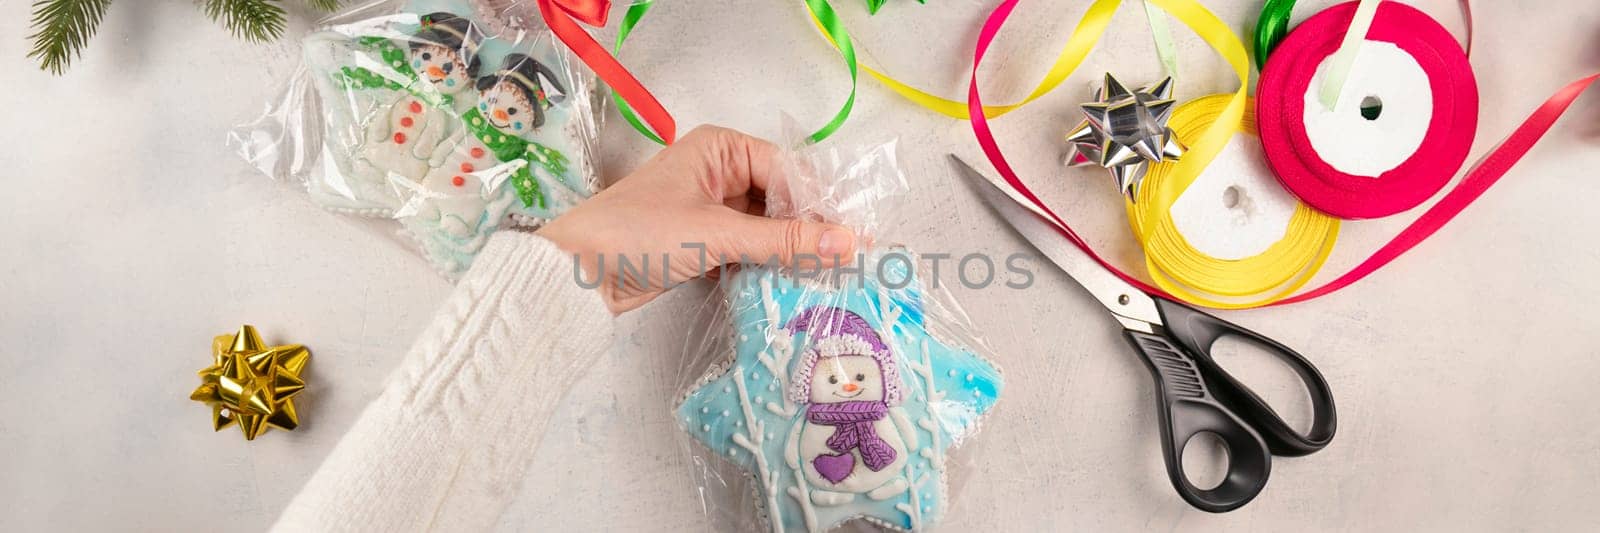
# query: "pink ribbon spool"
[[1281, 106]]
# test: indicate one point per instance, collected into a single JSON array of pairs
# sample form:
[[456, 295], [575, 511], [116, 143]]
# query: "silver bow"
[[1124, 131]]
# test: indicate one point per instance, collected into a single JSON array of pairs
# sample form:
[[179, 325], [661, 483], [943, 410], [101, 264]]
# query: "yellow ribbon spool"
[[1190, 274], [1207, 124]]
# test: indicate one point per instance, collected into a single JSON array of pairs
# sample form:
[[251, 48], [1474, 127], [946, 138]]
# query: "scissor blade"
[[1116, 295]]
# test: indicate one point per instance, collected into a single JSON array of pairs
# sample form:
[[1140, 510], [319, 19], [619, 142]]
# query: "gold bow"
[[252, 384]]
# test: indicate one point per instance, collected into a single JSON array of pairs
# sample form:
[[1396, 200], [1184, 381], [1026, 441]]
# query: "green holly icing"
[[510, 148], [394, 57]]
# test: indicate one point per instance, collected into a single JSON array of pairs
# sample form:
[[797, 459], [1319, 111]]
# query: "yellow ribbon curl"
[[1188, 273], [1088, 32], [1084, 37]]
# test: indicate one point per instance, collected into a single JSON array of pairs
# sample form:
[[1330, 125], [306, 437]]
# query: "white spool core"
[[1235, 208], [1359, 146]]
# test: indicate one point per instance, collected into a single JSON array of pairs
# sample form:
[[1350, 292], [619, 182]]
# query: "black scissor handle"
[[1197, 331], [1188, 409]]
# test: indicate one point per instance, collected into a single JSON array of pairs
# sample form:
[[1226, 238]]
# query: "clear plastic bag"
[[455, 118], [816, 399]]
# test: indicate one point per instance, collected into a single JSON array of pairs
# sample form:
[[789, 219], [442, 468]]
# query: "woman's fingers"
[[737, 164], [742, 237]]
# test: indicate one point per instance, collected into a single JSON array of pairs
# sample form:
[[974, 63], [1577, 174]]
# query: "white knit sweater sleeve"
[[446, 444]]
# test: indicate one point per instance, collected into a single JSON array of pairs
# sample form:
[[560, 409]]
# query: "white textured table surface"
[[130, 235]]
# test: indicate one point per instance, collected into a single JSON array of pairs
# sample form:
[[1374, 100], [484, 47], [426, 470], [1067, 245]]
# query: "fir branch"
[[60, 29], [254, 20]]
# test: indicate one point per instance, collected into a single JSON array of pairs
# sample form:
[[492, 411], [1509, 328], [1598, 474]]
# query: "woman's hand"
[[694, 202]]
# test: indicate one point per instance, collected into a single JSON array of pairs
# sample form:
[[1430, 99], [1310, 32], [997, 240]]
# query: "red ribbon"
[[1482, 175], [563, 17], [1478, 179], [1281, 102], [980, 129]]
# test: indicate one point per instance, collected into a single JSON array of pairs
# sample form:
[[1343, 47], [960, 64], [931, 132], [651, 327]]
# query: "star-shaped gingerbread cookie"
[[838, 401]]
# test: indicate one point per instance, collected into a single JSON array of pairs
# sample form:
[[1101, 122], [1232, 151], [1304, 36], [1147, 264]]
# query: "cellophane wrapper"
[[448, 120], [816, 399]]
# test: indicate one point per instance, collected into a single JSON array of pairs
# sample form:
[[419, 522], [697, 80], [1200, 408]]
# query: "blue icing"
[[713, 413]]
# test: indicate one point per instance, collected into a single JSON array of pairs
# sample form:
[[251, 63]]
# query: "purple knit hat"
[[835, 332]]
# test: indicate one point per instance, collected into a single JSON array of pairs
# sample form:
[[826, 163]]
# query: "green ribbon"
[[629, 20], [1344, 58], [1166, 49], [874, 5], [819, 8], [1271, 27], [836, 31]]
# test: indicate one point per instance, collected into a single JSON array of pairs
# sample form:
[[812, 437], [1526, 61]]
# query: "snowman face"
[[507, 108], [441, 66], [846, 378]]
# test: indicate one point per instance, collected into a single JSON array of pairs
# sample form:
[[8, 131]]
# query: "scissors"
[[1194, 394]]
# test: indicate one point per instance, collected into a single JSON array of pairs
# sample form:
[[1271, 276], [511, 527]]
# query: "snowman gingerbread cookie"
[[453, 131], [409, 97], [838, 402], [496, 167]]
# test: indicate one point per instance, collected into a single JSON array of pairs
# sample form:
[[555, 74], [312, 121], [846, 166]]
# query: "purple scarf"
[[853, 423]]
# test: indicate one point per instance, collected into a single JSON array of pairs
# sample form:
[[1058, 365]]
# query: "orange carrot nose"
[[500, 115], [851, 387], [435, 71]]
